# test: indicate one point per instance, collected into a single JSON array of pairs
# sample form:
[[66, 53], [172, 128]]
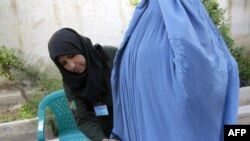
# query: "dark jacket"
[[94, 127]]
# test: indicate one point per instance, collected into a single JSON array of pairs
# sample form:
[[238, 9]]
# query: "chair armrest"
[[41, 125]]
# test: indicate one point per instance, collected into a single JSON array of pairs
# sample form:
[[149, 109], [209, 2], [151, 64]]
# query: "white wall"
[[28, 24], [238, 16]]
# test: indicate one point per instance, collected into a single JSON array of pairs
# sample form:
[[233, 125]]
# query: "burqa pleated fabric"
[[174, 78]]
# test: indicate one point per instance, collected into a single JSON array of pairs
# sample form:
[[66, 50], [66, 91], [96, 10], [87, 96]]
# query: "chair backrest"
[[59, 105]]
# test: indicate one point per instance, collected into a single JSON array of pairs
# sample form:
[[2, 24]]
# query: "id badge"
[[101, 110]]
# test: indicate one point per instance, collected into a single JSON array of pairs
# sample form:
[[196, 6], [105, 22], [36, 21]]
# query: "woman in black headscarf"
[[85, 71]]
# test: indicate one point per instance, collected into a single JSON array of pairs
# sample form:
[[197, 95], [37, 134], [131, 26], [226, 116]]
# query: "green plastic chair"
[[67, 128]]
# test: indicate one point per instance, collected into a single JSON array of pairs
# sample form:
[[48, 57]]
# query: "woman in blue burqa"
[[174, 78]]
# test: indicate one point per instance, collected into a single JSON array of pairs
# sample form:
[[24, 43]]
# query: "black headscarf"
[[88, 84]]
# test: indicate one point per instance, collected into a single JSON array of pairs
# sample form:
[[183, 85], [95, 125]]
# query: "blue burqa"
[[174, 78]]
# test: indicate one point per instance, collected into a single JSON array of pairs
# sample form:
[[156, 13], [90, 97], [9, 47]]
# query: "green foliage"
[[49, 84], [133, 2], [24, 112], [27, 111], [243, 64], [214, 11], [8, 61], [13, 67], [225, 30], [217, 15]]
